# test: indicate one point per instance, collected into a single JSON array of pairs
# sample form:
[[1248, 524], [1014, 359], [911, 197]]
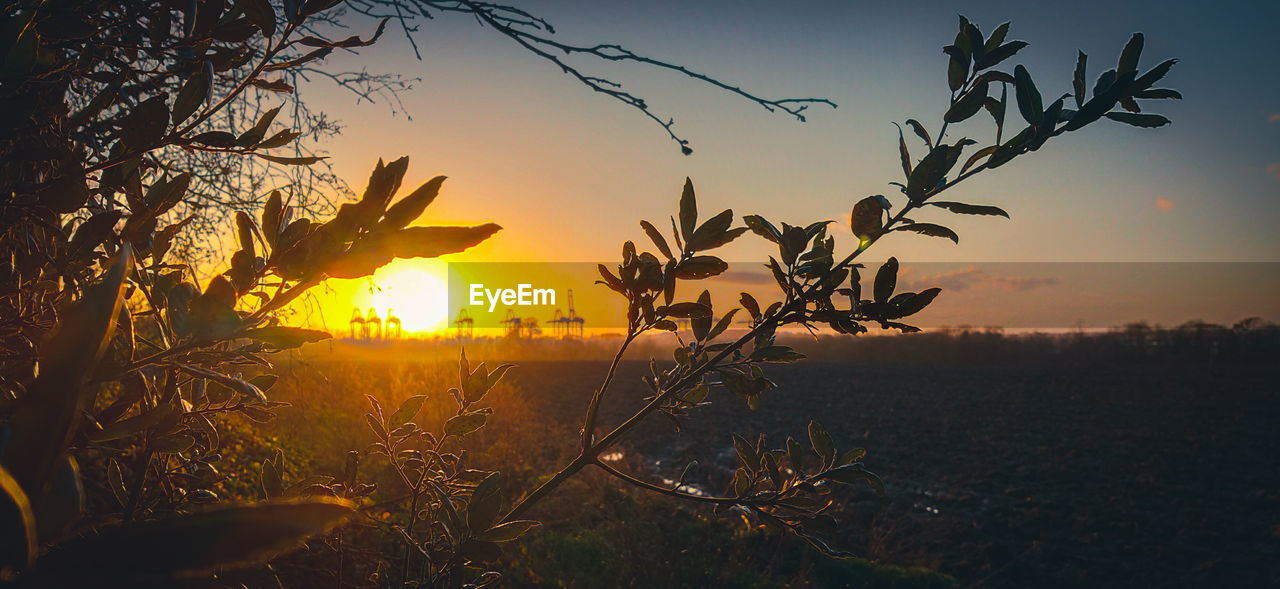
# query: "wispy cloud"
[[1274, 170], [974, 276], [1275, 118], [746, 277], [1164, 204]]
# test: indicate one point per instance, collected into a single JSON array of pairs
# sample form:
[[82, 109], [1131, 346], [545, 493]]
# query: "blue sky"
[[569, 172]]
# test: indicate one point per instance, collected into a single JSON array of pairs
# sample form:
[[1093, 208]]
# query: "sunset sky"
[[569, 172]]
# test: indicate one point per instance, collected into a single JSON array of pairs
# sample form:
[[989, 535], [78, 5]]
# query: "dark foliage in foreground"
[[119, 367]]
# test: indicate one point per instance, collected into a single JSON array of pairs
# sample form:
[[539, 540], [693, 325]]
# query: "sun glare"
[[412, 289]]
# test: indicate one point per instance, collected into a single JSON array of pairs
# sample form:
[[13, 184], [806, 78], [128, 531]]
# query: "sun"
[[412, 289]]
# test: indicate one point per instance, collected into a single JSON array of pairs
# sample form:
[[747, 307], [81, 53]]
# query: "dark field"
[[1140, 475], [1012, 474]]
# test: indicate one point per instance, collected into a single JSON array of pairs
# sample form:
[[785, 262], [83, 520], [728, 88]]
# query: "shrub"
[[119, 368]]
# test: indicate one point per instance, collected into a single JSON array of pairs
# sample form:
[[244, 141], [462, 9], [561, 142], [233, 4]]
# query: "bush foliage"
[[129, 124]]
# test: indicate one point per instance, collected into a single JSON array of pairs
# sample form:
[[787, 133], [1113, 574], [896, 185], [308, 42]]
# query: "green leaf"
[[851, 474], [407, 411], [507, 531], [746, 453], [688, 210], [795, 453], [284, 338], [189, 545], [968, 209], [485, 503], [886, 280], [821, 442], [466, 423], [931, 229], [1029, 102], [1148, 121]]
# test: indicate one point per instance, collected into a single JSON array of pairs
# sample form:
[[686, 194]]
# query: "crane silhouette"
[[372, 324], [567, 324], [356, 323], [464, 325], [518, 327], [392, 328]]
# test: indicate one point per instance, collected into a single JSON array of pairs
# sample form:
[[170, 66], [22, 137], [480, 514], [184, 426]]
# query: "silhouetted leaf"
[[17, 525], [1077, 81], [44, 420], [993, 58], [685, 310], [930, 229], [886, 280], [272, 218], [957, 67], [850, 474], [656, 237], [284, 338], [1129, 56], [920, 132], [699, 267], [1029, 102], [1154, 75], [189, 545], [290, 161], [193, 94], [507, 531], [903, 155], [258, 130], [1139, 120], [711, 232], [260, 14], [688, 210], [821, 442], [968, 209], [917, 302], [968, 105], [762, 227], [409, 208], [485, 503], [1159, 93]]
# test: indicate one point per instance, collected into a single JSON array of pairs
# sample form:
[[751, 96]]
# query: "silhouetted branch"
[[535, 35]]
